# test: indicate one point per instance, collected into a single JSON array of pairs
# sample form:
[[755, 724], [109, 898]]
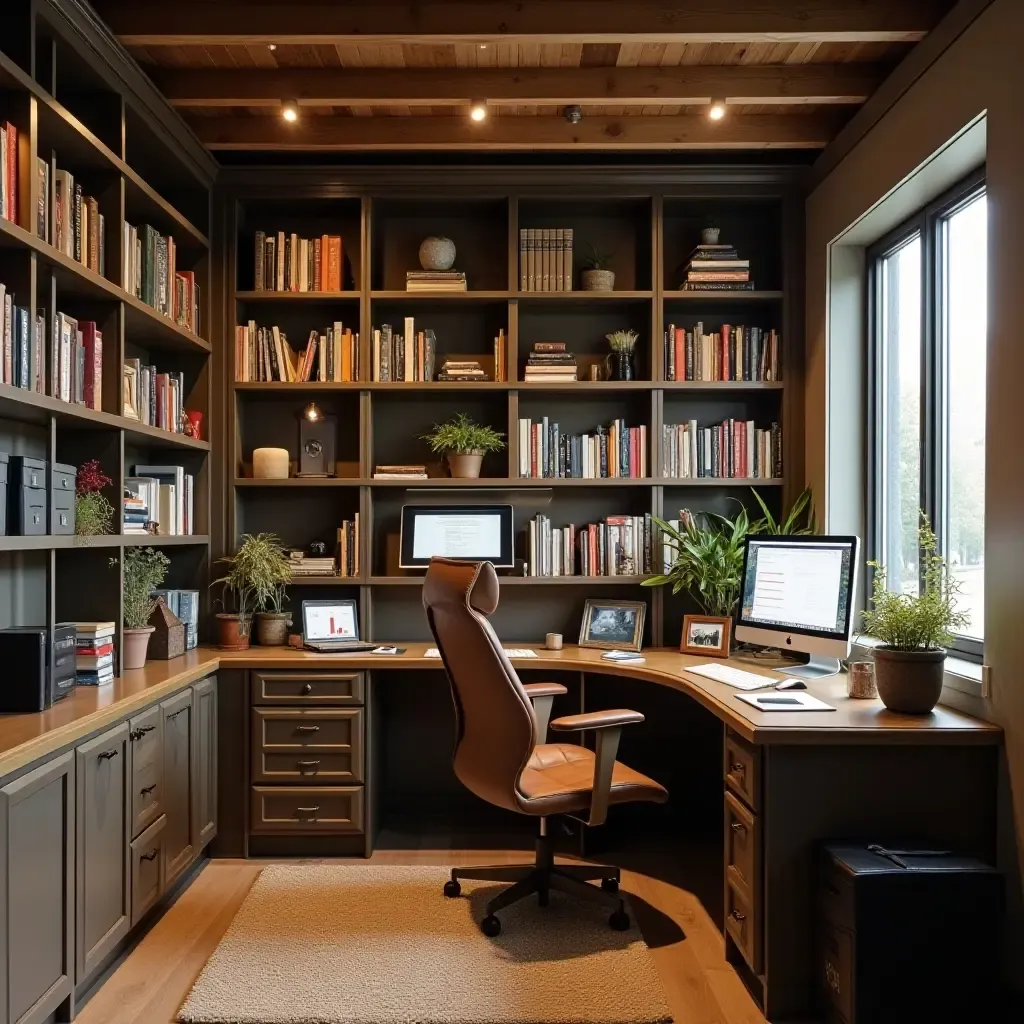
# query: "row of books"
[[160, 495], [284, 262], [405, 357], [400, 472], [9, 171], [730, 353], [185, 605], [717, 267], [152, 397], [551, 362], [620, 545], [22, 359], [617, 450], [731, 449], [151, 274], [77, 361], [74, 225], [435, 281], [545, 259], [94, 653], [265, 354], [348, 547]]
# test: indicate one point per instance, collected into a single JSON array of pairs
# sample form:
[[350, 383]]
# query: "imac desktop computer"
[[798, 594]]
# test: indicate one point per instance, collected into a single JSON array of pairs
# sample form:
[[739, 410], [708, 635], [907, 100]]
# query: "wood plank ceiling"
[[402, 74]]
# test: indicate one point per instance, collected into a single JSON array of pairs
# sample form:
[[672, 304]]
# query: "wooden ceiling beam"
[[380, 87], [322, 133], [235, 22]]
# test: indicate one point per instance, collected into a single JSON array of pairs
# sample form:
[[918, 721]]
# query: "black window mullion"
[[931, 397]]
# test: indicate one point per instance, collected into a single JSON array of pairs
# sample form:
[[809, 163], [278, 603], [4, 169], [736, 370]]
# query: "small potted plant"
[[270, 574], [623, 345], [144, 571], [464, 443], [233, 627], [913, 629], [597, 277], [94, 515]]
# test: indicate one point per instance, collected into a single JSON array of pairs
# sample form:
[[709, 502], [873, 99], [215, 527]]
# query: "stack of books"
[[730, 353], [265, 354], [74, 225], [400, 473], [150, 396], [9, 171], [184, 604], [545, 259], [717, 268], [550, 362], [136, 509], [94, 653], [151, 274], [287, 263], [403, 358], [731, 449], [23, 360], [348, 547], [435, 281], [168, 495], [462, 369], [303, 565], [613, 451]]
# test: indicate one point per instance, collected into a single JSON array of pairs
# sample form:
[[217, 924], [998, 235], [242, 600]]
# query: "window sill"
[[961, 675]]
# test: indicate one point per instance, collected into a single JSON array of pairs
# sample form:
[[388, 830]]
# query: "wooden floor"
[[150, 985]]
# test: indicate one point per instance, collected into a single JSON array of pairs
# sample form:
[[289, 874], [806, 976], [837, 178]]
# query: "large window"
[[928, 293]]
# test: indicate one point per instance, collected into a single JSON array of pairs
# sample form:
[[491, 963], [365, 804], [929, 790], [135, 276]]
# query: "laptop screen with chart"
[[329, 620]]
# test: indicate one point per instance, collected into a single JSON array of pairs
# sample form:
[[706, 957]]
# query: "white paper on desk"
[[510, 652], [767, 701]]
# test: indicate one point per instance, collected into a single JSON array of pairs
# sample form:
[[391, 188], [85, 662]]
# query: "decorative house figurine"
[[168, 639]]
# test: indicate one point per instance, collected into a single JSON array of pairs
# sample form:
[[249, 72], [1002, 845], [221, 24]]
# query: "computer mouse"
[[791, 684]]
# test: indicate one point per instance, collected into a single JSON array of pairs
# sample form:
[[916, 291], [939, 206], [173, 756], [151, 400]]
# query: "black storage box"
[[26, 677], [62, 499], [64, 674], [26, 494], [907, 935], [3, 493]]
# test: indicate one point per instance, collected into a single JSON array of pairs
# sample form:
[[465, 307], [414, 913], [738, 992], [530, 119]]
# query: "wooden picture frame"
[[613, 625], [703, 642]]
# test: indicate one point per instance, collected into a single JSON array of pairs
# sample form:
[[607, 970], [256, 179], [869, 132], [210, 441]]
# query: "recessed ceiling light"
[[290, 110], [478, 110], [717, 110], [271, 46]]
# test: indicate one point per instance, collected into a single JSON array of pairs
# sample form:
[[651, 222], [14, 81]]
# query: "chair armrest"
[[597, 720], [544, 690], [543, 695]]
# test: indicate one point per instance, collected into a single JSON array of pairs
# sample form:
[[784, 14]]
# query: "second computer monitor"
[[798, 595]]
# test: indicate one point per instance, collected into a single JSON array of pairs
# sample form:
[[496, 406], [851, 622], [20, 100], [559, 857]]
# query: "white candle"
[[270, 463]]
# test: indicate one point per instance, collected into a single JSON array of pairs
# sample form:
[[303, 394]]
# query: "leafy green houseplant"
[[464, 443], [94, 515], [143, 571], [240, 590], [596, 277], [799, 521], [623, 345], [263, 557], [913, 630]]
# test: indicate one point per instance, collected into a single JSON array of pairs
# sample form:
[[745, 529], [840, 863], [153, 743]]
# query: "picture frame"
[[706, 635], [613, 625]]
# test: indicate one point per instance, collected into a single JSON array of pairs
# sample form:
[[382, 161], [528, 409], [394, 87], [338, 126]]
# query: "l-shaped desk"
[[299, 766]]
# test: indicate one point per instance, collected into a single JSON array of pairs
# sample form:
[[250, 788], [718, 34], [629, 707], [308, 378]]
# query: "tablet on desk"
[[793, 701]]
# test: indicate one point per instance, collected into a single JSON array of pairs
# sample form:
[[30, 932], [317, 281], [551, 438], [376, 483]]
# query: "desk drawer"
[[743, 846], [298, 688], [146, 735], [742, 922], [291, 730], [147, 869], [742, 769], [301, 809], [307, 767]]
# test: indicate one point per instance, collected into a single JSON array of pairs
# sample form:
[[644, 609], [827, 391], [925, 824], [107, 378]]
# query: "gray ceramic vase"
[[437, 253]]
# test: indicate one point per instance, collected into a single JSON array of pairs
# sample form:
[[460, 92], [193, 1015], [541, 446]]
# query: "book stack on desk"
[[94, 653], [400, 473], [302, 565]]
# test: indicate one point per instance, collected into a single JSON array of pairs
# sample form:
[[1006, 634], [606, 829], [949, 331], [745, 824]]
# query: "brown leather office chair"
[[501, 754]]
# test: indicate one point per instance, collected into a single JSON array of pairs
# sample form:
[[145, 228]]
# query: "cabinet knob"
[[106, 755], [308, 688], [308, 764], [307, 728], [149, 856], [737, 916], [738, 827], [308, 810], [737, 769], [146, 790]]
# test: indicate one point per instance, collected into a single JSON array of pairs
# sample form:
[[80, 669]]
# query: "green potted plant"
[[94, 515], [623, 345], [464, 444], [597, 277], [265, 561], [233, 627], [144, 571], [914, 630], [799, 521]]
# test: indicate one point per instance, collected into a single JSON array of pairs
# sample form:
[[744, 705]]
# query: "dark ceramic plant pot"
[[272, 628], [909, 681], [232, 632]]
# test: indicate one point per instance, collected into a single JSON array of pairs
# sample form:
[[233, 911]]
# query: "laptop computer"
[[332, 627]]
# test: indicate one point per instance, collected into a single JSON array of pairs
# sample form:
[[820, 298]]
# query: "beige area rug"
[[332, 944]]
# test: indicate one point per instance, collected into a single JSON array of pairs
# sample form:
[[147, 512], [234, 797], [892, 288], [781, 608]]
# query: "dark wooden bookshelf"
[[648, 218]]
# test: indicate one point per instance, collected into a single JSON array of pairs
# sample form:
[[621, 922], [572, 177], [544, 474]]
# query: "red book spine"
[[726, 334], [12, 172], [680, 354], [93, 340], [533, 449]]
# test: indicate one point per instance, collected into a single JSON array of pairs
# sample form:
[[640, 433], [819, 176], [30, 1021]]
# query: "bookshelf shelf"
[[300, 482], [522, 581], [720, 385], [322, 297], [719, 481], [467, 296], [142, 540], [584, 297], [49, 542], [718, 297]]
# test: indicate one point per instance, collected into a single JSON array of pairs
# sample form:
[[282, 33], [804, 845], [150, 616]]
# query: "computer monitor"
[[477, 533], [798, 595]]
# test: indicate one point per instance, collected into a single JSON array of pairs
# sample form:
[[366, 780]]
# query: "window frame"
[[929, 225]]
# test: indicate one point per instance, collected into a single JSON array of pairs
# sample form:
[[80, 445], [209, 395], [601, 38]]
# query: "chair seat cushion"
[[559, 778]]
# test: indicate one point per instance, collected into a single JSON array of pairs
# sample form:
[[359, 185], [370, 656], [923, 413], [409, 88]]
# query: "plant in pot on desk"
[[94, 515], [270, 574], [240, 590], [597, 277], [464, 444], [913, 630], [144, 571]]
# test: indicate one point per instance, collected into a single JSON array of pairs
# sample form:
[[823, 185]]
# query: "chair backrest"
[[496, 726]]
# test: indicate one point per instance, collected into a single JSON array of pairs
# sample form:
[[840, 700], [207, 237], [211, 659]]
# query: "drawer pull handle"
[[307, 728], [737, 916], [308, 688], [737, 769], [137, 734], [146, 790], [308, 810], [308, 764], [174, 714], [106, 755], [739, 827], [150, 856]]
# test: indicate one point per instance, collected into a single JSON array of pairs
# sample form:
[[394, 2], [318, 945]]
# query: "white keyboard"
[[732, 676], [510, 652]]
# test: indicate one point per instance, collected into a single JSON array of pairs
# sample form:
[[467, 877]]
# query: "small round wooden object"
[[553, 641], [860, 681]]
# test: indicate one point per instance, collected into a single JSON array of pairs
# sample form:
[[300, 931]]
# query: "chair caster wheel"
[[491, 926], [452, 889], [619, 920], [610, 884]]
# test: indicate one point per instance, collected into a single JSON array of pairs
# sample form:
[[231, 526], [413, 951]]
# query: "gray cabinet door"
[[204, 719], [146, 736], [179, 805], [102, 813], [37, 863]]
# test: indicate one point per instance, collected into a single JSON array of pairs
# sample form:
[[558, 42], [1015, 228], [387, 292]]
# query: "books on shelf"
[[462, 369], [153, 398], [76, 361], [9, 172], [549, 361], [620, 545], [264, 354], [617, 450], [167, 494], [733, 352], [303, 565], [348, 547], [403, 358], [22, 345], [136, 503], [731, 449], [151, 274], [400, 473], [94, 653], [717, 268], [284, 262], [545, 259], [435, 281]]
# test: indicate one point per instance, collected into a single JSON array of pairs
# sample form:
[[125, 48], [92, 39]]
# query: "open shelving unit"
[[79, 103], [648, 218]]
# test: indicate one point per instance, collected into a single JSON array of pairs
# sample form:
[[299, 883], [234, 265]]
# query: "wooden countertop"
[[28, 737]]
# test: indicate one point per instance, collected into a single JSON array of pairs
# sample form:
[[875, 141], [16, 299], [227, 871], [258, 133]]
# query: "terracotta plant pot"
[[465, 465], [134, 647], [909, 681], [272, 628], [232, 632], [598, 280]]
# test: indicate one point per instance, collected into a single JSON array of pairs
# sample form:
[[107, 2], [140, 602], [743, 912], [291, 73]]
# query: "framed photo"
[[613, 625], [707, 635]]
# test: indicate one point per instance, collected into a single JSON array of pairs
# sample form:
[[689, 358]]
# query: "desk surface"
[[26, 738]]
